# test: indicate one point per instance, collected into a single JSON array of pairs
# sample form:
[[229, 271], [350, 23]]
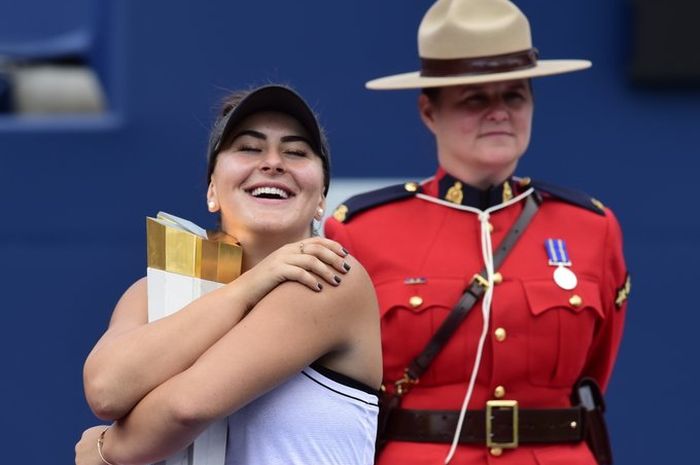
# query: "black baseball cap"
[[276, 98]]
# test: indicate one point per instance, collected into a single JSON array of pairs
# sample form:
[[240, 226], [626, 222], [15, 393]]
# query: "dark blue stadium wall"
[[75, 192]]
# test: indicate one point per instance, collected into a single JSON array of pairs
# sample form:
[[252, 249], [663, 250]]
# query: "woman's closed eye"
[[295, 148], [248, 148], [297, 152]]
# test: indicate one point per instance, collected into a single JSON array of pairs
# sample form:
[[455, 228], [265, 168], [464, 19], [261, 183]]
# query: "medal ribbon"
[[556, 251]]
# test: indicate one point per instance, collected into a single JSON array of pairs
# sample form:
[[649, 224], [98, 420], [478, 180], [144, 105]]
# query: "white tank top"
[[316, 417]]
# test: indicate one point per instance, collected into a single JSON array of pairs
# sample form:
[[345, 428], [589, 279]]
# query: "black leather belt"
[[508, 425]]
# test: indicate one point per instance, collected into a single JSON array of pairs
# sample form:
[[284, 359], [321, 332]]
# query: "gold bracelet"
[[100, 442]]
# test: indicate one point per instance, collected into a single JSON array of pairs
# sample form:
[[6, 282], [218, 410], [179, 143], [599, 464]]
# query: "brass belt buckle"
[[500, 405]]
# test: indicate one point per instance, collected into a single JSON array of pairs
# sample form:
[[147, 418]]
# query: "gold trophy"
[[184, 263]]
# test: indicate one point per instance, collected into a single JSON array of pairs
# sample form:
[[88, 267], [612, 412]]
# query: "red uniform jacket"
[[421, 256]]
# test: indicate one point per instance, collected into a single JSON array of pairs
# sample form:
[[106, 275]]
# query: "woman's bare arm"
[[134, 356], [289, 329]]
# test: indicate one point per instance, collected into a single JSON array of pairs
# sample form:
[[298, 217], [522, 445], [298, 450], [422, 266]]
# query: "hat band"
[[435, 67]]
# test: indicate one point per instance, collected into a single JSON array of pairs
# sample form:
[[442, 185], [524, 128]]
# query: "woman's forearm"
[[152, 431], [125, 366], [286, 331]]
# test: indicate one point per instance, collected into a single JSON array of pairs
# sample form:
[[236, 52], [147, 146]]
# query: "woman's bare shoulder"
[[354, 297], [356, 281]]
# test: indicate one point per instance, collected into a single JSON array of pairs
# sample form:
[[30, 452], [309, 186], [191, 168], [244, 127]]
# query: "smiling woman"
[[293, 364], [270, 173]]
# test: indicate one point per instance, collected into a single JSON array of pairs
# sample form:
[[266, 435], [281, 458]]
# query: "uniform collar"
[[454, 190]]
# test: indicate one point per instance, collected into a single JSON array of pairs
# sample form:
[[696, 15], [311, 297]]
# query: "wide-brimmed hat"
[[277, 98], [475, 41]]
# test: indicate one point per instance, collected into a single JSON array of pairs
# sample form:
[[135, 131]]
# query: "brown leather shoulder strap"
[[473, 293]]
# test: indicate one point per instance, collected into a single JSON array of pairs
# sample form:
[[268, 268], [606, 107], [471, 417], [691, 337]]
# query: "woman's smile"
[[270, 191]]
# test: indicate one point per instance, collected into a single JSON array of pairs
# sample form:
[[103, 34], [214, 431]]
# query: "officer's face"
[[482, 128], [268, 182]]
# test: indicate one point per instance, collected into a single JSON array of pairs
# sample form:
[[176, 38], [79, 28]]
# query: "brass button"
[[500, 334], [496, 451], [575, 301], [499, 392], [524, 182], [415, 301], [497, 278], [411, 186], [490, 227]]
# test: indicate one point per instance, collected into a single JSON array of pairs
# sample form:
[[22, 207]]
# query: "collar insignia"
[[341, 212], [455, 194], [507, 192]]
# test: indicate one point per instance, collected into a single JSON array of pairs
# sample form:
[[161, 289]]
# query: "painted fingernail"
[[337, 279], [319, 286], [345, 252], [346, 266]]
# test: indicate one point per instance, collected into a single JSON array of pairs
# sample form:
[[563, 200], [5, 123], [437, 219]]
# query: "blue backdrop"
[[75, 191]]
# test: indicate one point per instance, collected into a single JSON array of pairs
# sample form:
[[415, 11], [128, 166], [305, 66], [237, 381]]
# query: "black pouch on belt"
[[587, 394]]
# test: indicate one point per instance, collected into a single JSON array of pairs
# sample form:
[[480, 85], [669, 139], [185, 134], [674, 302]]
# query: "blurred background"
[[104, 114]]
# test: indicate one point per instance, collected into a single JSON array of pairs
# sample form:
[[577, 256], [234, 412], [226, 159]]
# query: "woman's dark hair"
[[228, 103]]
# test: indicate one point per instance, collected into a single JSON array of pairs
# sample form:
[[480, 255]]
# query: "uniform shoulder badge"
[[623, 292], [568, 195], [367, 200]]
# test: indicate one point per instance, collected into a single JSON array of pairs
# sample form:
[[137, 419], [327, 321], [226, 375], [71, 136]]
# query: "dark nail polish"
[[336, 279], [346, 266], [319, 286], [345, 252]]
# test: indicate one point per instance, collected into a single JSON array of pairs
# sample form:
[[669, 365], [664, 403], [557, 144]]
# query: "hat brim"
[[416, 81], [274, 98]]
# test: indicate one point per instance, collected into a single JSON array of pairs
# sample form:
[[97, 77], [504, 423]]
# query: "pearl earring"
[[212, 205], [319, 212]]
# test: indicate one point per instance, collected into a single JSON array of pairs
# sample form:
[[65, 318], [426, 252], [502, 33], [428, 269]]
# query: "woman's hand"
[[308, 262], [86, 449]]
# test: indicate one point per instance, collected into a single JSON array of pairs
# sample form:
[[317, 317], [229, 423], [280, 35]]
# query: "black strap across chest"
[[473, 293]]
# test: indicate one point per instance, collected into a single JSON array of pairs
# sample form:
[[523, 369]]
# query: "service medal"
[[559, 257], [565, 278]]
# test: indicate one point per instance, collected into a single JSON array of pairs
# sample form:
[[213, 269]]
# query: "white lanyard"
[[487, 254]]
